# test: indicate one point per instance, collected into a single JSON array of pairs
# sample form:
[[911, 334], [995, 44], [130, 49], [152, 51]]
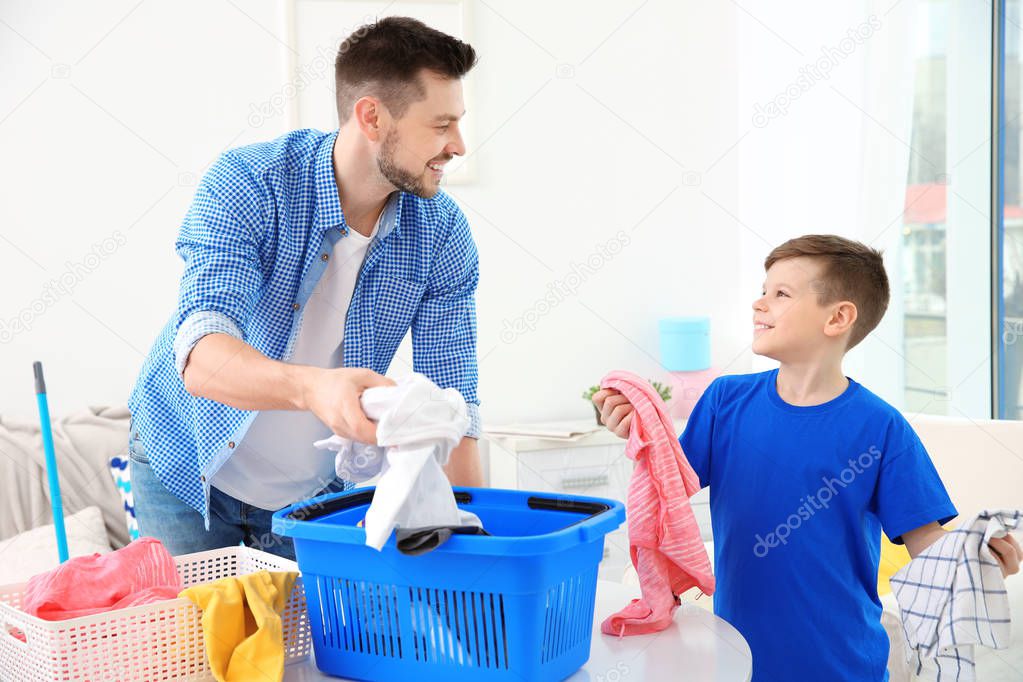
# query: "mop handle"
[[51, 462]]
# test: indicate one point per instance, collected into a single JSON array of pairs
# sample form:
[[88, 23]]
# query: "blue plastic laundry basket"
[[515, 605]]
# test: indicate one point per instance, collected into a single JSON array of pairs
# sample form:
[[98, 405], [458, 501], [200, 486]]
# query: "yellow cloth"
[[893, 558], [241, 624]]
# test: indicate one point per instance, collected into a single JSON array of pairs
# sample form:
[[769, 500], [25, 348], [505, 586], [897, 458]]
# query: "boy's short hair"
[[851, 271], [384, 59]]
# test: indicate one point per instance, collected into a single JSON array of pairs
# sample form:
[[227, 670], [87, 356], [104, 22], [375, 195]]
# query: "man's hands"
[[615, 411], [230, 371], [333, 396]]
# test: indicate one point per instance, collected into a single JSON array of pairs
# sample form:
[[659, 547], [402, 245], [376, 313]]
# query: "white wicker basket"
[[161, 641]]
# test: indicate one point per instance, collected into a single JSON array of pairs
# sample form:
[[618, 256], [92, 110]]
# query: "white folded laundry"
[[418, 424]]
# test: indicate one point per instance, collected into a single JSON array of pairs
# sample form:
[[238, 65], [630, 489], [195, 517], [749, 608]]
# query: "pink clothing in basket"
[[143, 572], [664, 539]]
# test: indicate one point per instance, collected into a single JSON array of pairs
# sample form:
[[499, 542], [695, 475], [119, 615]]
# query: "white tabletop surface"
[[698, 647]]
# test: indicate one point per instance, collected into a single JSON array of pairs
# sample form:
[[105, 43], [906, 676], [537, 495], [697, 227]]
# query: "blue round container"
[[685, 343], [515, 605]]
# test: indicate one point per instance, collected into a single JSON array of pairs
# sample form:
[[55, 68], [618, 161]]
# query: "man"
[[307, 259]]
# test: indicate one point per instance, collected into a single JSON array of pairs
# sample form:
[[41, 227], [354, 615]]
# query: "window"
[[1010, 232], [946, 242]]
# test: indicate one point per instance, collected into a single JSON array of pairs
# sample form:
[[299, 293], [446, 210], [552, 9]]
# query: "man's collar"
[[390, 218], [328, 201]]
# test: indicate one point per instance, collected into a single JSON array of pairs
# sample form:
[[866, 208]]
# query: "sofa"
[[981, 463], [95, 511]]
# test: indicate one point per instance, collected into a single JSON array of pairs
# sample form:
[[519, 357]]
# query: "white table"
[[698, 647]]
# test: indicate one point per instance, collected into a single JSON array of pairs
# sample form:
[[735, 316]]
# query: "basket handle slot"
[[587, 508], [590, 509], [8, 630], [567, 505], [314, 510]]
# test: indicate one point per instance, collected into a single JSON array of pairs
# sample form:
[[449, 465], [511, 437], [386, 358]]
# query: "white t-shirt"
[[276, 464]]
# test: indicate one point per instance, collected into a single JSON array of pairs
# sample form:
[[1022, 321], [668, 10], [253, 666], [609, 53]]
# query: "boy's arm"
[[919, 539], [1006, 549]]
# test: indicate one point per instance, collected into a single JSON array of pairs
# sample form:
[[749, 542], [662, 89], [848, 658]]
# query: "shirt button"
[[230, 444], [202, 478], [325, 256], [294, 306]]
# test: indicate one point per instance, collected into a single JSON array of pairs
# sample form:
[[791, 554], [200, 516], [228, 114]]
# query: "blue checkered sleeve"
[[444, 328], [222, 276]]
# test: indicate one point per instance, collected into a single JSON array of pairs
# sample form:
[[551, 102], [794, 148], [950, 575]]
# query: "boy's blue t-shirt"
[[798, 499]]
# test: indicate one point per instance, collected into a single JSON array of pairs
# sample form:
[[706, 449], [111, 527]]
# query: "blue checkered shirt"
[[254, 243]]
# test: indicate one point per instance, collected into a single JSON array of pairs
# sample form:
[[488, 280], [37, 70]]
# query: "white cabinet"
[[594, 464]]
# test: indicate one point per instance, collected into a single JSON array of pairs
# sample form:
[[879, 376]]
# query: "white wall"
[[591, 119]]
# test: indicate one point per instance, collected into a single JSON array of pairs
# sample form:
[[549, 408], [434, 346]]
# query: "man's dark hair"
[[851, 271], [385, 60]]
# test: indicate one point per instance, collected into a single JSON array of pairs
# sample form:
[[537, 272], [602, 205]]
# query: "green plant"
[[662, 390]]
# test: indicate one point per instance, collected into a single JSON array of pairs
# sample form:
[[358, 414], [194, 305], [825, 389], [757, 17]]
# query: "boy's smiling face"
[[789, 322]]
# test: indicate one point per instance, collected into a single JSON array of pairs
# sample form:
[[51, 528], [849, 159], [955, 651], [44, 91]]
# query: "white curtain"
[[887, 87], [832, 155]]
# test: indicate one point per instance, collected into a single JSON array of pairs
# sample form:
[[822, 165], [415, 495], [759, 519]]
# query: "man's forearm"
[[464, 468], [227, 370]]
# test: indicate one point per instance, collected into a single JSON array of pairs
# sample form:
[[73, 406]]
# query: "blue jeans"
[[181, 529]]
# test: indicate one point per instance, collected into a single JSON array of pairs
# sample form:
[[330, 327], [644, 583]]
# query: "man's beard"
[[398, 176]]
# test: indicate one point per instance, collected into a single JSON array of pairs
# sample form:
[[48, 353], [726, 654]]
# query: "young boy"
[[805, 469]]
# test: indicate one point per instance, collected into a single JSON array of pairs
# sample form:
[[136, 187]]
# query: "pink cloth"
[[664, 538], [140, 573]]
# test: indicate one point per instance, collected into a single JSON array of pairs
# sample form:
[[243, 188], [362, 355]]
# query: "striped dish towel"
[[952, 597], [664, 538]]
